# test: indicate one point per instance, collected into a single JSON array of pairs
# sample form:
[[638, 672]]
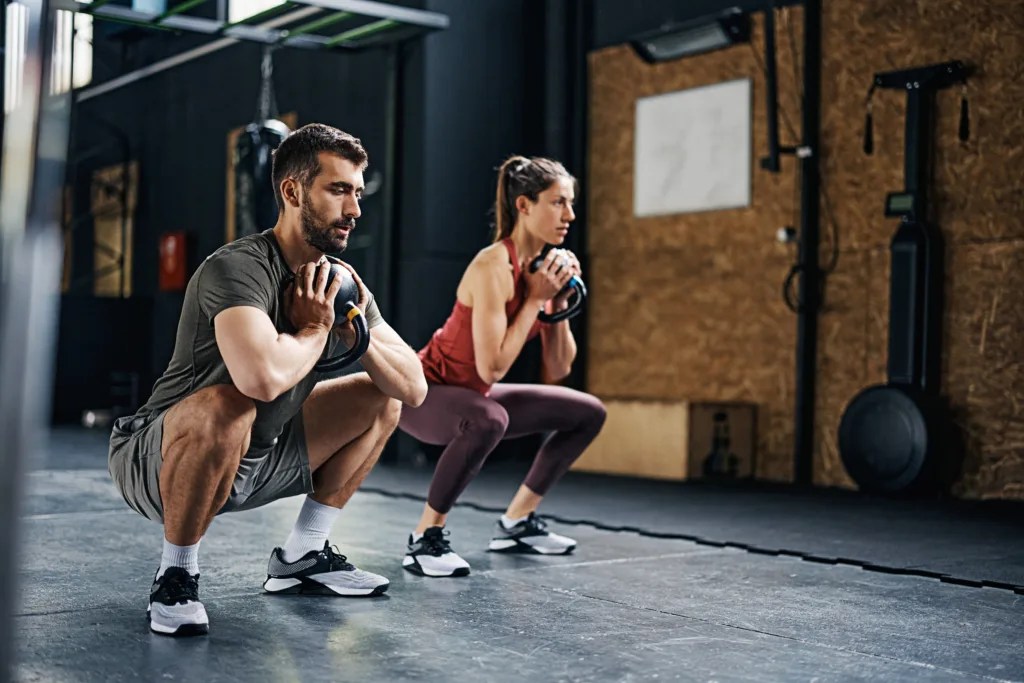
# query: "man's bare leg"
[[204, 439], [347, 423]]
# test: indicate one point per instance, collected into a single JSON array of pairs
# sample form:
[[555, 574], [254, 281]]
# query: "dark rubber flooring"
[[625, 607]]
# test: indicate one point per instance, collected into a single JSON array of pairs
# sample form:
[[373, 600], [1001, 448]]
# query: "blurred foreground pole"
[[31, 179]]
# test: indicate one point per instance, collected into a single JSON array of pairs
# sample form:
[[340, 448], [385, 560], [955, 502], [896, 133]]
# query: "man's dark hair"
[[298, 156]]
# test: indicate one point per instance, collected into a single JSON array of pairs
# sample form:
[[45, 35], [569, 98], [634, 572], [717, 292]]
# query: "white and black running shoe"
[[326, 572], [432, 555], [530, 536], [174, 607]]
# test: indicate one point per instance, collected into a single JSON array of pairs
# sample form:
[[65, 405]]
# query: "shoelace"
[[436, 544], [535, 525], [181, 587], [338, 562]]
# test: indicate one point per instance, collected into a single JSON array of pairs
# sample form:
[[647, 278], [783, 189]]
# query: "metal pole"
[[580, 41], [34, 153], [387, 244], [807, 318], [771, 162]]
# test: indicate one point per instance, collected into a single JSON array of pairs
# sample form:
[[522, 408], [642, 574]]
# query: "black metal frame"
[[385, 16], [807, 259]]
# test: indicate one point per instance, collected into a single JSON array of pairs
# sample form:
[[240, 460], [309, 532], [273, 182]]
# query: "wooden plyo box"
[[678, 440]]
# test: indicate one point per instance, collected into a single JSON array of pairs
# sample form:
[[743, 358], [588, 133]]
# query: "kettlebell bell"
[[345, 308], [575, 304]]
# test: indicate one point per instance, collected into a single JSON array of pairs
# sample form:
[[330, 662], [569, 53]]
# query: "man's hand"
[[345, 330], [307, 304]]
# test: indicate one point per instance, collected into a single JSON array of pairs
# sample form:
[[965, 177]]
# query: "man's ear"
[[291, 192]]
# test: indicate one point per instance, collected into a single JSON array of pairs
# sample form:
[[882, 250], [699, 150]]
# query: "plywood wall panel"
[[705, 288]]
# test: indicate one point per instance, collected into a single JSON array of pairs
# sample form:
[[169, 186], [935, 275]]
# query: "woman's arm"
[[558, 343], [497, 344]]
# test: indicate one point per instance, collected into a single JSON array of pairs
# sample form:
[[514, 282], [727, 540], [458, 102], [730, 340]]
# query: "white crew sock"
[[184, 556], [509, 523], [310, 530]]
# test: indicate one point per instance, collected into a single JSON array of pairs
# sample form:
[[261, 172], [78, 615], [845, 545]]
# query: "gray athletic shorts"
[[135, 459]]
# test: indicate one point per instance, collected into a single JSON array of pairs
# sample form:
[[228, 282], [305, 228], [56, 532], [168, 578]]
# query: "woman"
[[495, 314]]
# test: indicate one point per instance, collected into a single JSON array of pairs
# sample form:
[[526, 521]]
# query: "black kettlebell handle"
[[575, 304], [353, 313], [345, 307]]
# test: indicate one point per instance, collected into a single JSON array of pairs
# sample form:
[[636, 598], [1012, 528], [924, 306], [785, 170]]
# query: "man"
[[239, 419]]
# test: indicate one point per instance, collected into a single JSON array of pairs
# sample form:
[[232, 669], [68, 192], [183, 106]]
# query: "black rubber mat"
[[957, 542], [624, 606]]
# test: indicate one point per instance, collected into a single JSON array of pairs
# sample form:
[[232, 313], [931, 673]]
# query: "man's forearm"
[[292, 358], [396, 370]]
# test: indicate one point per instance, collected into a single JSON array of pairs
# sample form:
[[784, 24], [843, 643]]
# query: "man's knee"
[[390, 415]]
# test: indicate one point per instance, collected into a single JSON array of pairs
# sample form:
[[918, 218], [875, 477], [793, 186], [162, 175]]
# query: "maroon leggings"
[[471, 425]]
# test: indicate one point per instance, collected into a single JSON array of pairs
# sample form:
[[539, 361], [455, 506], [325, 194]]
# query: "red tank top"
[[449, 357]]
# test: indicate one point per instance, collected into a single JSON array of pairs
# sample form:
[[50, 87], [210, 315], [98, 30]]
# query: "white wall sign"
[[693, 150]]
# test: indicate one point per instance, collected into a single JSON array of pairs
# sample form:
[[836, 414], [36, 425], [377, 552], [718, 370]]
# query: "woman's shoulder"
[[493, 257], [489, 268]]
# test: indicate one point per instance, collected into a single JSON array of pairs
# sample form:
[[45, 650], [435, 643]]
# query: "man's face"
[[331, 205]]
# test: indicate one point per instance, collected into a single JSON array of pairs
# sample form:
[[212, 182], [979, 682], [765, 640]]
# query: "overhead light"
[[694, 37]]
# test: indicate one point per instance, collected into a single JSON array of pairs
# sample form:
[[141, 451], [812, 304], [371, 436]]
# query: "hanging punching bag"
[[255, 206]]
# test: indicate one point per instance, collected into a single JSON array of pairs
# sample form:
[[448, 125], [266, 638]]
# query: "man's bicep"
[[245, 335]]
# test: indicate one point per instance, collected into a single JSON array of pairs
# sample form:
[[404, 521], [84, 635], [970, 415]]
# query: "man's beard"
[[317, 230]]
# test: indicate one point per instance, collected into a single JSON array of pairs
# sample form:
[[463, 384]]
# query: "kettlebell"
[[345, 308], [575, 304]]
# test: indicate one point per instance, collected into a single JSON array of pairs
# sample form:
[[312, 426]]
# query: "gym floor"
[[702, 585]]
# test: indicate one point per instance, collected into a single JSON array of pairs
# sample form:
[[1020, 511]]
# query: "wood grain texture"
[[978, 203], [689, 306]]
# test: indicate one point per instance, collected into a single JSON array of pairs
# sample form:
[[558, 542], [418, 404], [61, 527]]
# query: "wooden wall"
[[979, 205], [707, 318]]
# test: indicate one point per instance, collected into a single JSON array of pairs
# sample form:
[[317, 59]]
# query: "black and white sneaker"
[[530, 536], [174, 607], [432, 555], [326, 572]]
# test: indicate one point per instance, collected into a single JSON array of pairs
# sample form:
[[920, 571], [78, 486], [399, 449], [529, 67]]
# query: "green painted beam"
[[362, 32], [179, 8], [319, 23]]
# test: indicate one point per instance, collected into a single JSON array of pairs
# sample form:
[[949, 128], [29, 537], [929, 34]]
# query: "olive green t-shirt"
[[250, 271]]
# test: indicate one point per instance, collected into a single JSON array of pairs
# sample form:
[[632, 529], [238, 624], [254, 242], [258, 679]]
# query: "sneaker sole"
[[180, 631], [512, 546], [411, 565], [303, 586]]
